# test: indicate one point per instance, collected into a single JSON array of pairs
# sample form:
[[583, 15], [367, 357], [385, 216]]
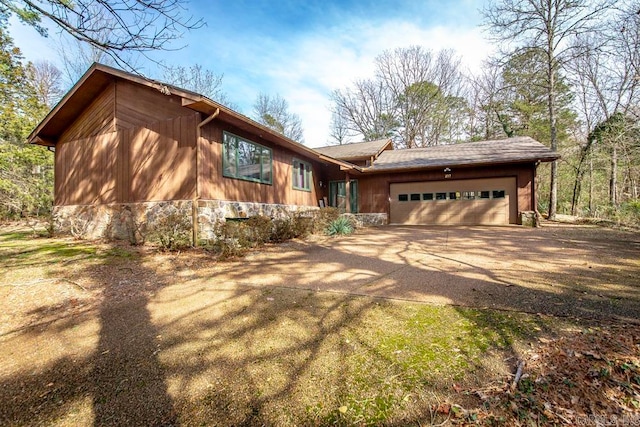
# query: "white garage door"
[[491, 201]]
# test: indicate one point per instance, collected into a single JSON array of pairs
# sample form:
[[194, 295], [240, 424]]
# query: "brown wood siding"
[[374, 188], [139, 106], [214, 186], [96, 119], [151, 163]]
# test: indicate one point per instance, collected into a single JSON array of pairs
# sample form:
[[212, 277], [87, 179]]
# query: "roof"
[[98, 77], [512, 150], [356, 151]]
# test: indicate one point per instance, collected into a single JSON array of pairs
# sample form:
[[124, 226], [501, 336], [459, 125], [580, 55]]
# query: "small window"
[[441, 196], [454, 195], [469, 195], [415, 197], [301, 175], [403, 197], [484, 194], [427, 196], [498, 194]]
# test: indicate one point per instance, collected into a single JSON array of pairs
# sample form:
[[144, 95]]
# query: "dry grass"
[[95, 333]]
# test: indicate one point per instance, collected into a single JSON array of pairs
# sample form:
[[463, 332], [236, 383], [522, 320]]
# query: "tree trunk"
[[613, 181], [591, 213], [553, 190]]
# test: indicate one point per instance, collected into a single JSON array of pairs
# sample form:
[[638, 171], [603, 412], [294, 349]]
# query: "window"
[[301, 175], [403, 197], [498, 194], [484, 194], [441, 196], [427, 196], [246, 160], [469, 195], [415, 197], [454, 195]]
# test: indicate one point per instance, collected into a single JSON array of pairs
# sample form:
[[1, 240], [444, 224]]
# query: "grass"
[[234, 355]]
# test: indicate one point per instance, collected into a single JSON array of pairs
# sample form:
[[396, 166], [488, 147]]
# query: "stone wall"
[[212, 211], [368, 219], [132, 221], [126, 221]]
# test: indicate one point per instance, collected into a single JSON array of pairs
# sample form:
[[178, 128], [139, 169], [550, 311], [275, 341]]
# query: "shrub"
[[172, 232], [302, 224], [340, 226], [282, 230], [323, 217]]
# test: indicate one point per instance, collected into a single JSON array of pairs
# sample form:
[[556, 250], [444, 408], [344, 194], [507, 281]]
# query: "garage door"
[[462, 202]]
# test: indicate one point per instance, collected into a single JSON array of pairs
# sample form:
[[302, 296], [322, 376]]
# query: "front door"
[[338, 195]]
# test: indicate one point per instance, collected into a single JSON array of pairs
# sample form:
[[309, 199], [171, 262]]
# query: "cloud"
[[307, 70]]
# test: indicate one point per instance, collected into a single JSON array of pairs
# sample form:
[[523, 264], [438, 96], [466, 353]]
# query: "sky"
[[302, 50]]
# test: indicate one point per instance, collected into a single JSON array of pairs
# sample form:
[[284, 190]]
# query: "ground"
[[392, 325]]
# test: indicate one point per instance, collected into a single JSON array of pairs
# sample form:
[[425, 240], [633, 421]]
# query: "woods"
[[566, 73]]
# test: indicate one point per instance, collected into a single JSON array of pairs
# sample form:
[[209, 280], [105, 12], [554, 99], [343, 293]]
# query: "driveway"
[[563, 270]]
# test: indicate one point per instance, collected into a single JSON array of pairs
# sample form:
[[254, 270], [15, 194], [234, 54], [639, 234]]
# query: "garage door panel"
[[463, 205]]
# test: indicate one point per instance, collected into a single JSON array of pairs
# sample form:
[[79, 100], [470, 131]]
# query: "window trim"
[[295, 173], [238, 138]]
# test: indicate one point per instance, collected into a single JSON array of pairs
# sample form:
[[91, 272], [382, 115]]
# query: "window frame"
[[236, 165], [295, 174]]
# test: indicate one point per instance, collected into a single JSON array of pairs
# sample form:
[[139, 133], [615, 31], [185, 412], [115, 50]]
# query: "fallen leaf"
[[342, 409]]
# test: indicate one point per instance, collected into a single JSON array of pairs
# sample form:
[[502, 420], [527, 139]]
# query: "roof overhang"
[[461, 164]]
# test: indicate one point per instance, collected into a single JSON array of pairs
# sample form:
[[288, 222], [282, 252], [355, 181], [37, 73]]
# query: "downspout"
[[194, 203]]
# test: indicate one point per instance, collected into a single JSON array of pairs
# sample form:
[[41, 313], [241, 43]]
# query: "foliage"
[[273, 112], [172, 232], [340, 226], [26, 172], [323, 217]]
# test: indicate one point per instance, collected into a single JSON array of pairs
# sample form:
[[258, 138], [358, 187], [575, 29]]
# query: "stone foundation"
[[212, 211], [368, 219], [131, 221], [528, 219], [126, 221]]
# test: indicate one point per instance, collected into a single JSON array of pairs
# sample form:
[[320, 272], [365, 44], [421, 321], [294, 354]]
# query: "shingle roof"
[[512, 150], [355, 151]]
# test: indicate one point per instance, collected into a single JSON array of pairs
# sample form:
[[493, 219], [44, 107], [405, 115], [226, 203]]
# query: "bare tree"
[[546, 25], [46, 80], [198, 79], [273, 112], [130, 25], [415, 98], [339, 131], [367, 109], [605, 79]]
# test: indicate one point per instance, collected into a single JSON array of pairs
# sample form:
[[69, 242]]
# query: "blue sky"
[[303, 50]]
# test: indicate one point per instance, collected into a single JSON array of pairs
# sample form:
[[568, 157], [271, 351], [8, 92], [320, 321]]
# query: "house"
[[130, 150]]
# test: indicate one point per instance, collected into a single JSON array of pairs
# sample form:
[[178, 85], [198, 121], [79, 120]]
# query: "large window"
[[301, 175], [246, 160]]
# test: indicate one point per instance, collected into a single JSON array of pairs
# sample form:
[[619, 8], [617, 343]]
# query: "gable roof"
[[99, 76], [512, 150], [356, 151]]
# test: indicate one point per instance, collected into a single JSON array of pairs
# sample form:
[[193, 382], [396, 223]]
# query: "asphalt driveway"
[[564, 270]]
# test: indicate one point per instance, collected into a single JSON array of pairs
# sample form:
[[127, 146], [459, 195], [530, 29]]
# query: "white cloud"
[[306, 71]]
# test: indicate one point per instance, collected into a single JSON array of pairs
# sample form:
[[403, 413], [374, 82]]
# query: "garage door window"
[[441, 196], [403, 197], [469, 195], [498, 194], [427, 196], [484, 194], [454, 195], [415, 197]]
